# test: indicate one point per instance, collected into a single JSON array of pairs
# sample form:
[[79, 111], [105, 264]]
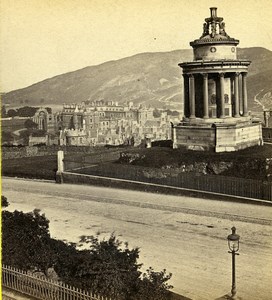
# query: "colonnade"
[[190, 94], [41, 121]]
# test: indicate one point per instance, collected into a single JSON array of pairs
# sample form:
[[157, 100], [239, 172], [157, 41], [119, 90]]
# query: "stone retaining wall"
[[27, 151]]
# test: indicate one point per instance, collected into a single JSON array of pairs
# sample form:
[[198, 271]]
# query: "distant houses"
[[96, 123], [109, 123]]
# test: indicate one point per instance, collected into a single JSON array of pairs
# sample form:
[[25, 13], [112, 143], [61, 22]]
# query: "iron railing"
[[43, 288], [249, 188]]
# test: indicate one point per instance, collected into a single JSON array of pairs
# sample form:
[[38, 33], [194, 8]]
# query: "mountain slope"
[[151, 78]]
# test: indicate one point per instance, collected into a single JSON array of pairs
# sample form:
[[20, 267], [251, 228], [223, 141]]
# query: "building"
[[108, 122], [267, 128], [44, 119], [216, 115]]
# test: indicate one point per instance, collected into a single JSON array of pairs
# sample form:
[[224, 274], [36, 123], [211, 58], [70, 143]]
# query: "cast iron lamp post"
[[233, 242]]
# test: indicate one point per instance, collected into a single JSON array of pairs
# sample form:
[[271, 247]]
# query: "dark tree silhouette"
[[29, 124], [12, 113], [3, 111], [26, 241], [4, 201]]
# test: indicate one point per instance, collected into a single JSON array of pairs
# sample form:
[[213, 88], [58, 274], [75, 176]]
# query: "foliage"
[[26, 111], [7, 137], [49, 110], [156, 113], [154, 286], [24, 134], [172, 113], [109, 268], [5, 202], [29, 124], [12, 113], [26, 240], [3, 111]]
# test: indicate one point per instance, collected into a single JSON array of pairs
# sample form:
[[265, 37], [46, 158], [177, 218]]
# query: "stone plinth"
[[217, 137]]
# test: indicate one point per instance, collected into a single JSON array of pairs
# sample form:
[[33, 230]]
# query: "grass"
[[39, 167], [248, 163], [159, 156]]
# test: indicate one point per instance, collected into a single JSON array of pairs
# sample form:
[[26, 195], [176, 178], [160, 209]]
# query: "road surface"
[[187, 236]]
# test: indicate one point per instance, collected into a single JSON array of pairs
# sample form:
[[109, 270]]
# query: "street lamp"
[[233, 242]]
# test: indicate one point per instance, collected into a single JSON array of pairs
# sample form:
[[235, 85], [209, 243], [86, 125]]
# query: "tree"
[[3, 111], [49, 110], [156, 113], [26, 111], [12, 113], [109, 268], [4, 201], [26, 241], [173, 113], [29, 124], [7, 137], [154, 286]]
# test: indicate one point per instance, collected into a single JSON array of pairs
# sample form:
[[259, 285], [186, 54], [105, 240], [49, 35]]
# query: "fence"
[[76, 161], [42, 288], [249, 188]]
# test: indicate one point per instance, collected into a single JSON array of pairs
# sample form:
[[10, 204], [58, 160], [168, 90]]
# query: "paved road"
[[187, 236]]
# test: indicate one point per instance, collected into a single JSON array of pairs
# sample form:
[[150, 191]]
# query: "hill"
[[151, 78]]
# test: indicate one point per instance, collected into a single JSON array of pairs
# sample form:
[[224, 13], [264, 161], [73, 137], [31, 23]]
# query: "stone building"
[[216, 115], [44, 119], [107, 122], [267, 128]]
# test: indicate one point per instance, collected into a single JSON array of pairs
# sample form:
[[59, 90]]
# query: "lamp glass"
[[234, 245]]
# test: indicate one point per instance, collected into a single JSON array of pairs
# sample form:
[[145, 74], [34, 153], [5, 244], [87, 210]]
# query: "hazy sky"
[[43, 38]]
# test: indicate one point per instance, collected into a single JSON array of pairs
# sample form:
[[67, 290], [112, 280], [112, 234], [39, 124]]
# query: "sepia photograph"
[[136, 149]]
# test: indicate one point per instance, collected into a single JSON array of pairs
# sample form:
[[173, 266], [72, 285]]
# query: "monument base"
[[217, 137]]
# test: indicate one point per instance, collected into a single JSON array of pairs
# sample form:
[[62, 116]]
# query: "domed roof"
[[214, 32]]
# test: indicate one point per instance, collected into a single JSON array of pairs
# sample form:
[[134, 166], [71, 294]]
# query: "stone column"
[[236, 95], [186, 108], [59, 173], [192, 96], [222, 98], [244, 89], [174, 137], [205, 96]]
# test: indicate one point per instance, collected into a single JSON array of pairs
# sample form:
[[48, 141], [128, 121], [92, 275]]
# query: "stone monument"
[[216, 115]]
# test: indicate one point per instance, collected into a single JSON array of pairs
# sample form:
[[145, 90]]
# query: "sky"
[[40, 39]]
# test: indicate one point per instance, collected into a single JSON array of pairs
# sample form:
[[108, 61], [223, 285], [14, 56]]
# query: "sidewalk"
[[8, 294], [228, 297]]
